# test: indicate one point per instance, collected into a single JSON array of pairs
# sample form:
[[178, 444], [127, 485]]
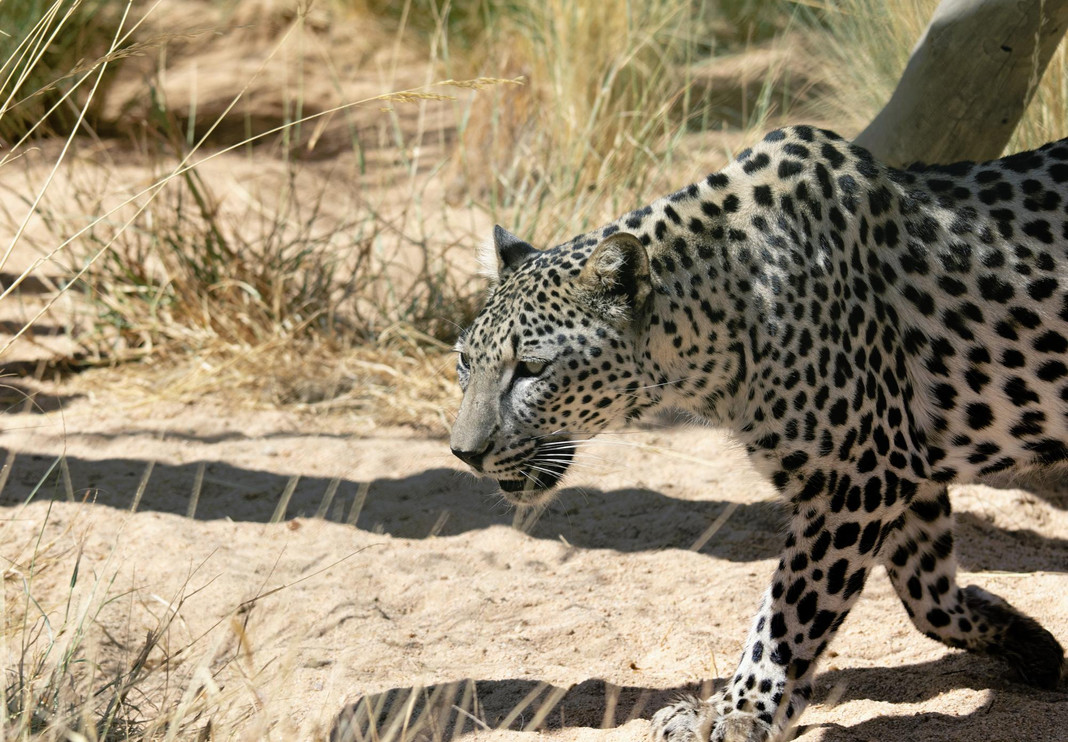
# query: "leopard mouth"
[[539, 474]]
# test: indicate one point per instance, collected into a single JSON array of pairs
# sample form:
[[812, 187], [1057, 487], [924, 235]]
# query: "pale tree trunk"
[[968, 81]]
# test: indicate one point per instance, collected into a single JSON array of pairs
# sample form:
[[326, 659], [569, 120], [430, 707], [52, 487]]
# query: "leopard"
[[869, 334]]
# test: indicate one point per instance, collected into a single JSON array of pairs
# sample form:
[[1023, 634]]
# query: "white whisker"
[[586, 460]]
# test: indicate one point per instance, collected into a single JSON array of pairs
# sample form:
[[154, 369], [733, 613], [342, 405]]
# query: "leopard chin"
[[539, 477]]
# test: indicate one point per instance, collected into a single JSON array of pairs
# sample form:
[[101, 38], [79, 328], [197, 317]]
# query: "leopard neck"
[[695, 352]]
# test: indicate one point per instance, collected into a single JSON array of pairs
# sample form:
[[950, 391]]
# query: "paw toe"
[[740, 727]]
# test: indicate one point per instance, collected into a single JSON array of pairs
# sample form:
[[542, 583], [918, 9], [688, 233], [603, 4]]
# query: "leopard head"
[[553, 357]]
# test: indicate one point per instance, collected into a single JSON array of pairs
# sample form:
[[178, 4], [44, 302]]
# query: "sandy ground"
[[415, 584]]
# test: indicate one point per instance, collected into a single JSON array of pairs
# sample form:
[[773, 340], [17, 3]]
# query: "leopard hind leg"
[[921, 564]]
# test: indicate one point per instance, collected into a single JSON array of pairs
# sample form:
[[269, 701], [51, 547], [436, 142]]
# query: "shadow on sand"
[[455, 710], [444, 502]]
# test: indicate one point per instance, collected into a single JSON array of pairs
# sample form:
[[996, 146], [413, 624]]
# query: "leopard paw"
[[687, 720], [692, 720]]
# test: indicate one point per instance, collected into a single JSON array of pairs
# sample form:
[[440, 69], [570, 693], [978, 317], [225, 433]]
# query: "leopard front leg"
[[832, 543]]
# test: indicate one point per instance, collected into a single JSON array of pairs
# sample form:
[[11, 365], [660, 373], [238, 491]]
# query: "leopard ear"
[[616, 275], [508, 253]]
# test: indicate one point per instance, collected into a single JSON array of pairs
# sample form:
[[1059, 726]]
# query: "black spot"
[[806, 607], [879, 200], [873, 495], [822, 622], [927, 510], [824, 178], [855, 583], [1039, 229], [1042, 288], [945, 396], [768, 442], [782, 654], [778, 626], [1012, 358], [952, 286], [867, 461], [979, 415], [813, 486], [957, 258], [710, 209], [1022, 162], [992, 288], [1051, 371], [943, 545], [846, 535], [795, 590], [1018, 391], [754, 164], [923, 301], [1006, 330], [780, 479], [870, 536], [789, 168], [1030, 424], [937, 618], [993, 258], [836, 576], [820, 546], [914, 588], [1050, 342], [1025, 317], [1048, 451], [839, 412], [832, 155]]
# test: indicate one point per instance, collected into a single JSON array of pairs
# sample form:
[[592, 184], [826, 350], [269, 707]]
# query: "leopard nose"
[[472, 458]]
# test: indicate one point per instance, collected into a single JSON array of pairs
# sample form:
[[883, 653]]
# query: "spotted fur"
[[869, 334]]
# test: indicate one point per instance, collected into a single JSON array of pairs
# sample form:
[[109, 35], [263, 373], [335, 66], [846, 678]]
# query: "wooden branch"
[[968, 81]]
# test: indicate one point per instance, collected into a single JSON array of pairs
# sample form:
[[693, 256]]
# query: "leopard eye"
[[462, 361], [529, 369]]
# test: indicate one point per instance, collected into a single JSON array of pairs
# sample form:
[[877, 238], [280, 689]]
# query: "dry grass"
[[174, 270], [610, 99], [59, 688], [84, 671], [53, 45], [178, 270], [1046, 118], [402, 379]]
